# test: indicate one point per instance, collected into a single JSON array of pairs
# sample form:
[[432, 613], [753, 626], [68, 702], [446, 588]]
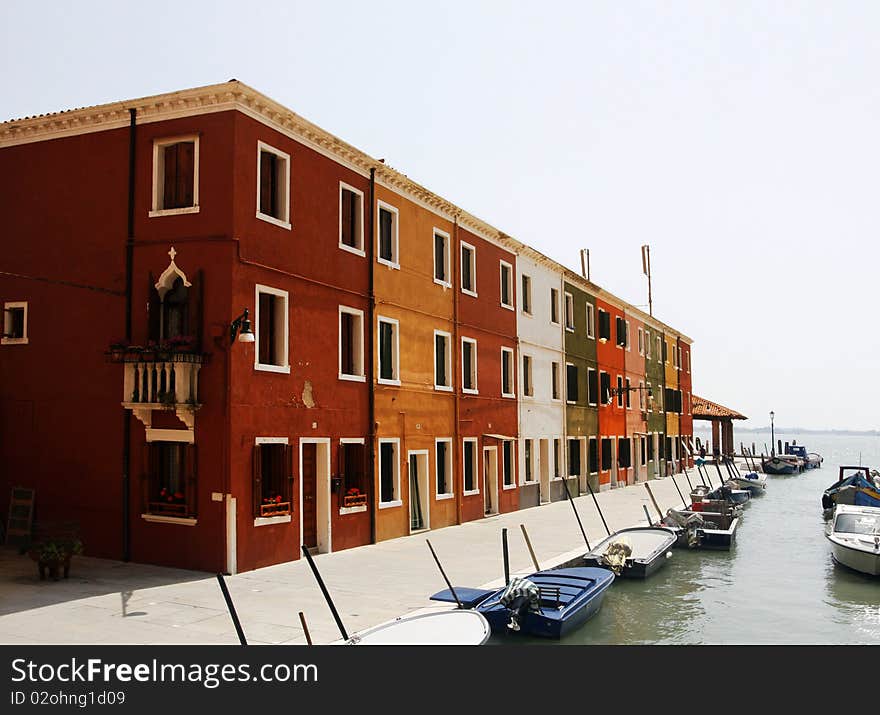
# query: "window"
[[506, 285], [351, 219], [272, 478], [647, 344], [528, 387], [605, 387], [606, 454], [626, 335], [649, 399], [593, 455], [175, 176], [389, 472], [14, 323], [619, 391], [387, 235], [554, 380], [674, 357], [468, 269], [351, 344], [604, 326], [624, 457], [557, 457], [687, 361], [528, 458], [678, 350], [660, 400], [442, 361], [571, 383], [569, 312], [592, 386], [389, 351], [591, 321], [628, 393], [620, 332], [574, 457], [271, 330], [441, 258], [650, 447], [554, 306], [659, 351], [643, 442], [665, 353], [171, 479], [273, 185], [507, 460], [641, 396], [507, 373], [353, 470], [469, 455], [443, 456], [641, 342], [526, 295], [469, 365]]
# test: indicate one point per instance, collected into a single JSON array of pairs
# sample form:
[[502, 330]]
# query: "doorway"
[[314, 485], [419, 504], [490, 480], [544, 466]]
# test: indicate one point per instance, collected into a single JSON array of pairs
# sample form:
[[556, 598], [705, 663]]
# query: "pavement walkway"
[[111, 602]]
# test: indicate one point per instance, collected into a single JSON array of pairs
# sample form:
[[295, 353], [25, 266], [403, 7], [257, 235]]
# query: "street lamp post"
[[772, 436]]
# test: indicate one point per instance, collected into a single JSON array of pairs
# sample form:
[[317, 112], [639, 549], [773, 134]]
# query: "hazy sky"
[[739, 140]]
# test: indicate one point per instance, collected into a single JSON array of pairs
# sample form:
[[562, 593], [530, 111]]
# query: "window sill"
[[390, 504], [384, 381], [274, 221], [470, 493], [509, 395], [442, 497], [351, 249], [13, 341], [468, 391], [568, 329], [392, 265], [445, 284], [182, 521], [155, 213], [508, 487], [283, 369], [443, 388], [268, 520], [471, 293], [528, 397], [507, 306], [352, 378], [591, 337], [343, 510], [527, 313]]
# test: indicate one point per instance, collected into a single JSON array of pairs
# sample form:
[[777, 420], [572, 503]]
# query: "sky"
[[738, 139]]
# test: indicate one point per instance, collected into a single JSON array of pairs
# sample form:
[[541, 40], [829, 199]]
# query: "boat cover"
[[616, 554], [855, 489], [689, 521], [521, 595]]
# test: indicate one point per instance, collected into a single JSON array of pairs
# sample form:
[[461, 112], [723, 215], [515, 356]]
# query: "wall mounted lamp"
[[241, 326]]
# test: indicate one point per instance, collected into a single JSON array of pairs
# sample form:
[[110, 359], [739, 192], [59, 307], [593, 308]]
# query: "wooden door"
[[309, 478]]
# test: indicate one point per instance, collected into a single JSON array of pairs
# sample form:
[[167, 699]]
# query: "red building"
[[610, 356]]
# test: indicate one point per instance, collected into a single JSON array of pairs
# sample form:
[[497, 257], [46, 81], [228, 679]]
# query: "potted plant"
[[54, 554]]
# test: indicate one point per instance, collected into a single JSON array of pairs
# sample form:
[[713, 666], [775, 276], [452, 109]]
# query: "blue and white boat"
[[754, 482], [553, 602]]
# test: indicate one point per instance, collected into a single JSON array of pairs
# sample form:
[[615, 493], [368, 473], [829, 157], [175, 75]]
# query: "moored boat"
[[455, 627], [811, 460], [754, 482], [856, 486], [549, 604], [854, 533], [782, 464], [636, 552]]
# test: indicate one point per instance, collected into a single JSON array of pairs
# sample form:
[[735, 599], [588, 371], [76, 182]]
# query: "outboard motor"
[[520, 597]]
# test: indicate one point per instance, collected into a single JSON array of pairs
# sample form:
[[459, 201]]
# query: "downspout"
[[129, 269], [371, 385], [456, 371]]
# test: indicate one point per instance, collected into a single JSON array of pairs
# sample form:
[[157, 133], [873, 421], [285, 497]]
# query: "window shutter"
[[185, 173], [170, 199], [267, 176], [347, 218], [257, 478], [191, 471]]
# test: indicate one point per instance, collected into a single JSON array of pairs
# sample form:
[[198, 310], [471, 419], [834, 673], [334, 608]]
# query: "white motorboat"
[[456, 627], [854, 533]]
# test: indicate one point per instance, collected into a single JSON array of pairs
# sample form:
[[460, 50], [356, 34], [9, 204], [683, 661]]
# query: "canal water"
[[778, 585]]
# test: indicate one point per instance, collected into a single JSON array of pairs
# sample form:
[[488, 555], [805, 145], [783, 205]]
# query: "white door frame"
[[231, 536], [322, 494], [491, 483], [422, 458]]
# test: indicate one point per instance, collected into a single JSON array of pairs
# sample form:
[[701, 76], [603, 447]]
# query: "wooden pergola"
[[721, 418]]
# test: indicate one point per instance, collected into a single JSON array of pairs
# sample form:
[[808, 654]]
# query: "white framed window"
[[389, 473], [442, 361], [627, 344], [687, 361], [554, 306], [507, 463], [649, 399], [175, 176], [574, 457], [469, 366], [620, 391], [591, 321], [507, 373], [678, 350], [526, 295], [273, 185], [641, 342], [557, 458], [554, 382], [15, 323], [389, 350], [628, 394], [528, 461], [470, 466], [571, 383], [569, 312], [593, 455], [271, 330], [604, 388], [443, 467], [660, 345], [468, 269], [387, 235], [441, 258], [506, 275], [641, 396], [272, 481], [647, 345], [351, 219], [674, 356], [592, 387], [604, 326], [351, 344], [528, 387]]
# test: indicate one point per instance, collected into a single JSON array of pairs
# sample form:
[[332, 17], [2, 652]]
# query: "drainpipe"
[[370, 368], [456, 370], [129, 269]]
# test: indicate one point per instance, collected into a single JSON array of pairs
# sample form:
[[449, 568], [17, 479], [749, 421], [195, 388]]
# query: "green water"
[[778, 585]]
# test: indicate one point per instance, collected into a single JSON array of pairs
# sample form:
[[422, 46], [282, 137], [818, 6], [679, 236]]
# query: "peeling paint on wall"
[[308, 400]]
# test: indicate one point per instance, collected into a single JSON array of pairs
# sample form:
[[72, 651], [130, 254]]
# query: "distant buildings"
[[412, 367]]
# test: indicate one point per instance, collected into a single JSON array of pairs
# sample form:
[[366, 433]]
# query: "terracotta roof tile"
[[704, 409]]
